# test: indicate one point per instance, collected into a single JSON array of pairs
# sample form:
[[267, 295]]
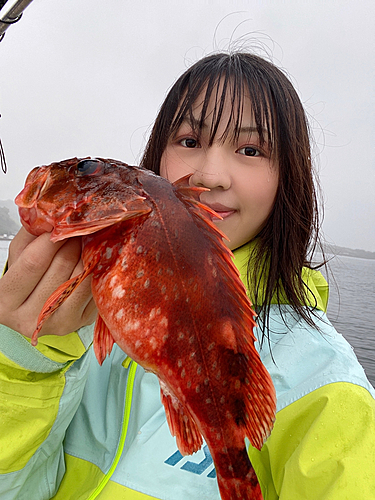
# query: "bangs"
[[223, 81]]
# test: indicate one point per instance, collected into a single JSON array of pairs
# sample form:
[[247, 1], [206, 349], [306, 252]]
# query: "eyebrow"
[[249, 129]]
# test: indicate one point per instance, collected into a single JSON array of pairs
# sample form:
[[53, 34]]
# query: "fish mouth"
[[33, 219], [32, 222]]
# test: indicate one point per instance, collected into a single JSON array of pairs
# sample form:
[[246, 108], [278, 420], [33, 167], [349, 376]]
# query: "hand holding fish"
[[38, 264]]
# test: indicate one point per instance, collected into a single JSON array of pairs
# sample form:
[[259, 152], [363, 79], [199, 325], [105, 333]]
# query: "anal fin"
[[181, 423]]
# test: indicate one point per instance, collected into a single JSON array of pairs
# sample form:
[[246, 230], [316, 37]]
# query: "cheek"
[[172, 166]]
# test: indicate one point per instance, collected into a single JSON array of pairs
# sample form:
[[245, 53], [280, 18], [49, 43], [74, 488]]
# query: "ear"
[[99, 216]]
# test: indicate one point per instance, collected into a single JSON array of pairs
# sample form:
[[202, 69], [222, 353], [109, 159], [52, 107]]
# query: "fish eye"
[[89, 167]]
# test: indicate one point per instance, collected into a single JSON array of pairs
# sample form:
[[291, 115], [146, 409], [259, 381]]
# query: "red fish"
[[169, 295]]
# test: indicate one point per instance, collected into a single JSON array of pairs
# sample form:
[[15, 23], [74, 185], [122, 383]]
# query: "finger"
[[18, 244], [27, 270], [90, 313], [65, 265]]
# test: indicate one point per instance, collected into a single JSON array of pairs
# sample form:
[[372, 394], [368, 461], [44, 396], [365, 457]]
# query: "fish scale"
[[169, 295]]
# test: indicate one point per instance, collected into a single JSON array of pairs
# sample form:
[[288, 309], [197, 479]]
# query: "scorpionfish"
[[168, 293]]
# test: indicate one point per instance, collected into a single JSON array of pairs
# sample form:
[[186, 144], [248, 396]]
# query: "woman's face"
[[241, 176]]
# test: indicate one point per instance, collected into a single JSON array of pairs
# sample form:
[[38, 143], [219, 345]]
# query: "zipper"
[[128, 401]]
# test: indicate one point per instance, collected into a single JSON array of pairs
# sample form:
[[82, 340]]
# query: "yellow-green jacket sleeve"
[[40, 390]]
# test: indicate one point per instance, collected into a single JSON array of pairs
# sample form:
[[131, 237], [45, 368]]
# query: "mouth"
[[223, 211]]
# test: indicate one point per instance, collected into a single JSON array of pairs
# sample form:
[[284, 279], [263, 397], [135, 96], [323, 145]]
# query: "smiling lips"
[[221, 210]]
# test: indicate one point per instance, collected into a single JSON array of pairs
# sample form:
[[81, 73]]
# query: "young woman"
[[74, 430]]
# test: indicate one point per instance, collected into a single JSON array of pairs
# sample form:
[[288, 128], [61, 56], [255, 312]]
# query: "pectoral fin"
[[58, 297], [103, 340]]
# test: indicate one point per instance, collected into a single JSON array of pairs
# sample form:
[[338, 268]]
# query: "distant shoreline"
[[349, 252], [328, 249]]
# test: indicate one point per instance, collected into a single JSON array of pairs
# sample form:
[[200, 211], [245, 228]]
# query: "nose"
[[213, 170]]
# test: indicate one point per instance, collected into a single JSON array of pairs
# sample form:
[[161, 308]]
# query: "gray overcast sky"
[[86, 78]]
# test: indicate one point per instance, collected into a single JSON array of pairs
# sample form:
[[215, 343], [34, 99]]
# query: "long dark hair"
[[290, 236]]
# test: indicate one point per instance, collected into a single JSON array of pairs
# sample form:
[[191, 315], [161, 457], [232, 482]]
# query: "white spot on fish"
[[120, 314], [183, 373], [208, 401], [154, 342], [198, 389], [118, 292], [147, 283], [108, 252], [157, 256], [199, 370], [140, 273], [211, 346], [139, 249], [164, 321], [179, 363], [113, 281], [132, 325], [180, 336]]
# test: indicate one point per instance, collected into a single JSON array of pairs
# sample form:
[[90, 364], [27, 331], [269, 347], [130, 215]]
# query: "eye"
[[189, 142], [248, 151], [89, 167]]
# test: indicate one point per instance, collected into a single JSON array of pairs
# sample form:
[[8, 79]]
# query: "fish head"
[[79, 196]]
